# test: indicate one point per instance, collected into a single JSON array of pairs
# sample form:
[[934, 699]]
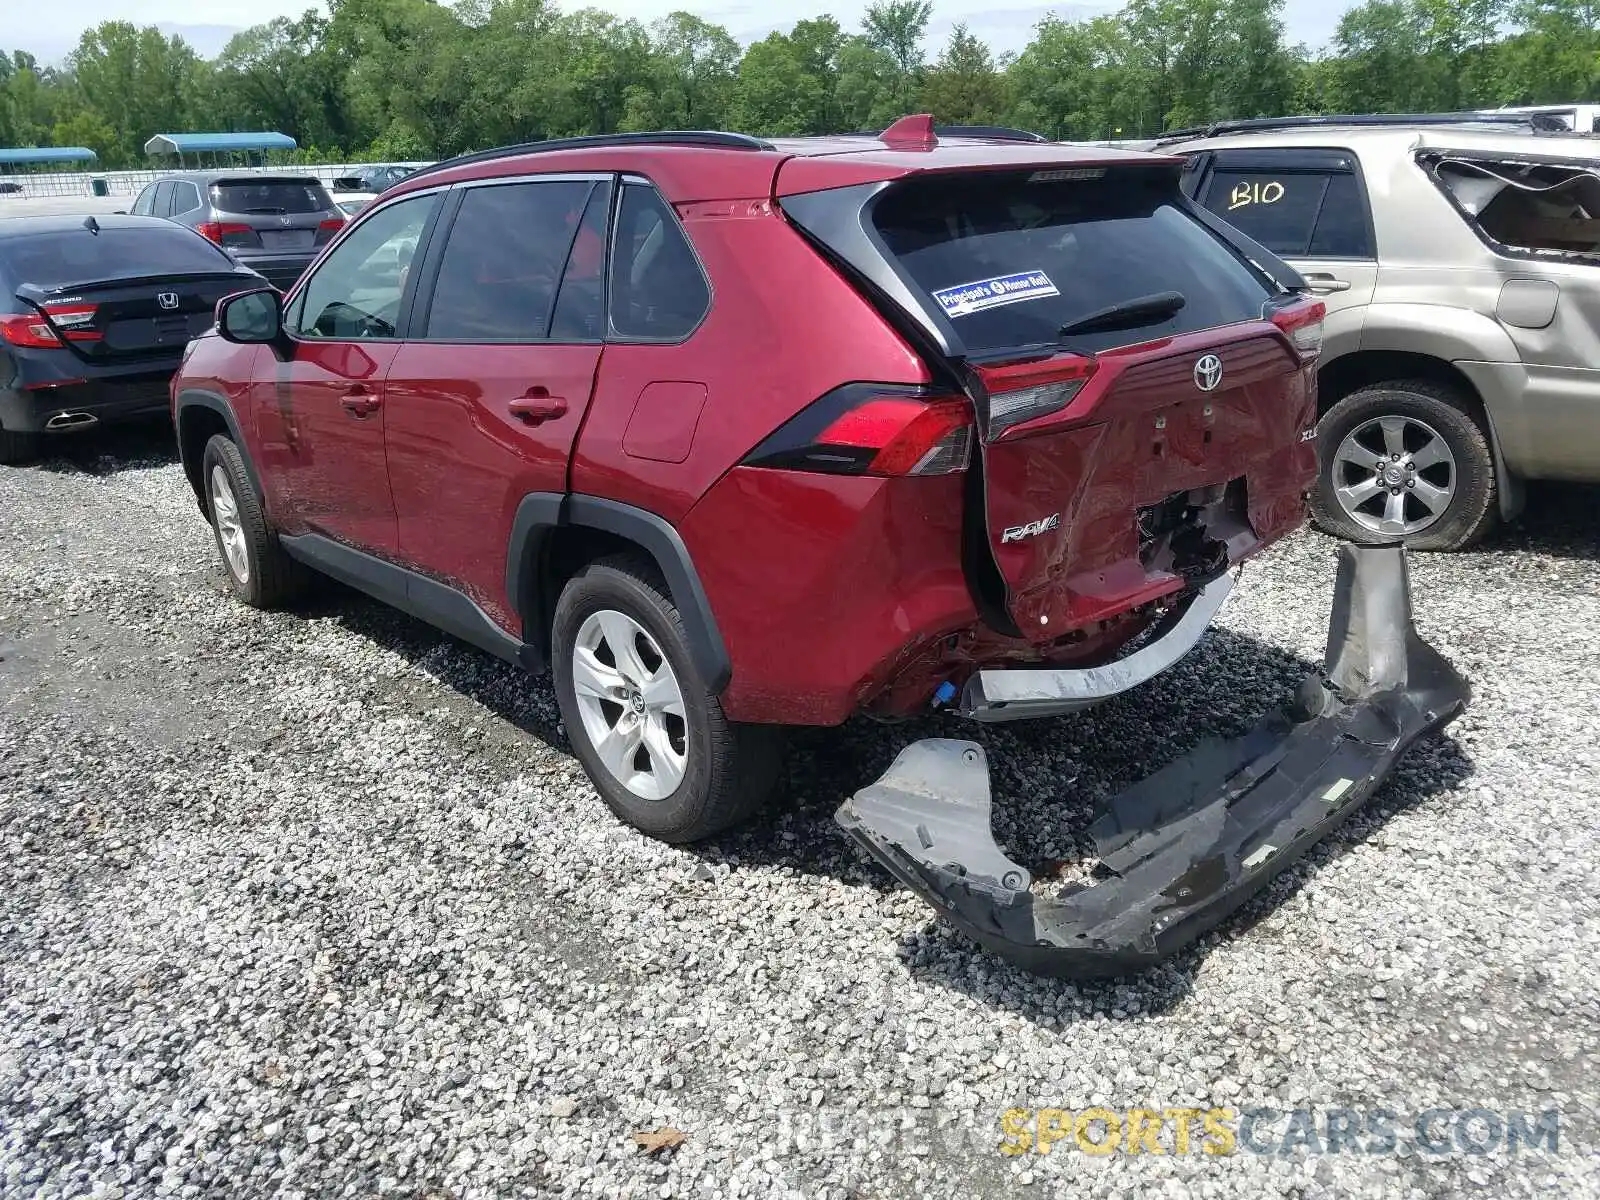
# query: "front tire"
[[258, 570], [1404, 462], [651, 735]]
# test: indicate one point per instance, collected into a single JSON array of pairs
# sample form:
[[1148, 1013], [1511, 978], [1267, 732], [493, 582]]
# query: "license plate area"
[[286, 239]]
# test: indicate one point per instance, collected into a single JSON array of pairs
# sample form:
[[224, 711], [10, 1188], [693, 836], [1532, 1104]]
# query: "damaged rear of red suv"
[[747, 434]]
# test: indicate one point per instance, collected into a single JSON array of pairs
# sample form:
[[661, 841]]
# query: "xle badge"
[[1032, 529]]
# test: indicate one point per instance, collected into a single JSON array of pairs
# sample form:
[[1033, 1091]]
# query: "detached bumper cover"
[[1188, 845]]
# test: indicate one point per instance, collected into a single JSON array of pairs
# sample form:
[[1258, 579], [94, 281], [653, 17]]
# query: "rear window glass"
[[78, 256], [1011, 259], [274, 196]]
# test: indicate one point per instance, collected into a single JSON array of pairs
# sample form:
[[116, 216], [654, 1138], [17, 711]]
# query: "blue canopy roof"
[[202, 143], [46, 154]]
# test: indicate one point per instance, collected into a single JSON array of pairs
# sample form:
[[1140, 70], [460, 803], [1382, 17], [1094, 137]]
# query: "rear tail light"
[[331, 226], [75, 322], [33, 332], [1303, 323], [225, 233], [874, 429], [1024, 391]]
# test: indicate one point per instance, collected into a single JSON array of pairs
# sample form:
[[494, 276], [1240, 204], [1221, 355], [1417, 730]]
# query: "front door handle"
[[1322, 283], [537, 407], [359, 402]]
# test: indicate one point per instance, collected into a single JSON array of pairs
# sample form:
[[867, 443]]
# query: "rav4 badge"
[[1032, 529]]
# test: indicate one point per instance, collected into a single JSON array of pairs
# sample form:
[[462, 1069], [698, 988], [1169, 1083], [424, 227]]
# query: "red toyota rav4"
[[737, 434]]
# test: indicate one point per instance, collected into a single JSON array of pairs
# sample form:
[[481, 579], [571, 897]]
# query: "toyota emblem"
[[1208, 373], [285, 220]]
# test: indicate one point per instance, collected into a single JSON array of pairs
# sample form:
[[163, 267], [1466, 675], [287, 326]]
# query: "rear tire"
[[253, 561], [649, 732], [18, 448], [1440, 492]]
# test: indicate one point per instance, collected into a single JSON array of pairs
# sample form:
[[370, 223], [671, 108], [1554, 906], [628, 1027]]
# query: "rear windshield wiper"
[[1139, 311]]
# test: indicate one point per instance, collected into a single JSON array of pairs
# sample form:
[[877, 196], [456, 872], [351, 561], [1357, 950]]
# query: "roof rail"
[[682, 137], [997, 133], [1547, 122]]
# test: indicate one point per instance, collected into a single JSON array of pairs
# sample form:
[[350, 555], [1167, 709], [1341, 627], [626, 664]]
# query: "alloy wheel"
[[1394, 475], [225, 511], [631, 704]]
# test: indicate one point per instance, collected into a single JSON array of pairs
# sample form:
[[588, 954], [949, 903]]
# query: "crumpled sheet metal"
[[1185, 847]]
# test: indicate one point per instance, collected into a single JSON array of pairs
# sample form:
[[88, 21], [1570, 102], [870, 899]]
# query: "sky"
[[51, 32]]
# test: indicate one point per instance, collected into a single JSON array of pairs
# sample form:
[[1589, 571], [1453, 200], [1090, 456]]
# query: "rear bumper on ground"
[[1188, 845], [85, 404]]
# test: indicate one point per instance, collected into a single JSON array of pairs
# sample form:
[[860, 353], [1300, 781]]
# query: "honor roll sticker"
[[967, 298]]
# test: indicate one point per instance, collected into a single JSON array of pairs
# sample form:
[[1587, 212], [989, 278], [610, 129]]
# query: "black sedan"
[[371, 179], [94, 315]]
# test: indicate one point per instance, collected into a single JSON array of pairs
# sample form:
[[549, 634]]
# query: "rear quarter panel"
[[783, 328]]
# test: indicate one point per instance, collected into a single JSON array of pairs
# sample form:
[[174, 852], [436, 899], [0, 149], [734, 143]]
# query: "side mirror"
[[251, 318], [121, 212]]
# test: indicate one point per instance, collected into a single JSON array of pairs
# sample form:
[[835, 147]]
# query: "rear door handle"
[[537, 407], [359, 402], [1322, 283]]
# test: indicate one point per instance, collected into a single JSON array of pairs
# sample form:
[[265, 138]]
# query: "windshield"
[[1013, 259]]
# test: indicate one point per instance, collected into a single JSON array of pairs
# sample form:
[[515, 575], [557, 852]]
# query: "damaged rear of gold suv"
[[1459, 258]]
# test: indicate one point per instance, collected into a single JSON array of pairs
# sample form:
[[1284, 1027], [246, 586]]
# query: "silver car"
[[275, 224], [1461, 268]]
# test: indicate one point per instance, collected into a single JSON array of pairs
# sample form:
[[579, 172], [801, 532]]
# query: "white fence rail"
[[42, 185]]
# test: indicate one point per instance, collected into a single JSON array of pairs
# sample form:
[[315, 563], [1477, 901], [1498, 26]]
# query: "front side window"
[[503, 261], [163, 201], [145, 204], [658, 292], [356, 291]]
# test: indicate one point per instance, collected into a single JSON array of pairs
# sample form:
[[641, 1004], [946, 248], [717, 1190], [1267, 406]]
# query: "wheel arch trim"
[[1509, 492], [193, 398], [539, 514]]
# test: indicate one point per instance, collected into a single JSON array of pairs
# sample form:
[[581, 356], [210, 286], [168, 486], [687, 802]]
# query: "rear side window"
[[51, 260], [1291, 209], [1011, 259], [504, 259], [658, 292], [185, 199], [275, 197], [163, 201]]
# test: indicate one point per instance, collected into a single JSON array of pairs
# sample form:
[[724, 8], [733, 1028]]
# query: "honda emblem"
[[1208, 373], [167, 300], [285, 220]]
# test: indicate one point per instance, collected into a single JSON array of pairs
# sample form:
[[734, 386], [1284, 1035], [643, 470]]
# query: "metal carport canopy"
[[205, 143], [45, 154]]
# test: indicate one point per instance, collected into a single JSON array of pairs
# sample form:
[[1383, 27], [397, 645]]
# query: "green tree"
[[896, 27], [775, 93], [690, 79], [963, 87], [138, 82]]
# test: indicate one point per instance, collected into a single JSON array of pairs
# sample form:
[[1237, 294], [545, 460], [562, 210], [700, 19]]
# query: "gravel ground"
[[317, 904]]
